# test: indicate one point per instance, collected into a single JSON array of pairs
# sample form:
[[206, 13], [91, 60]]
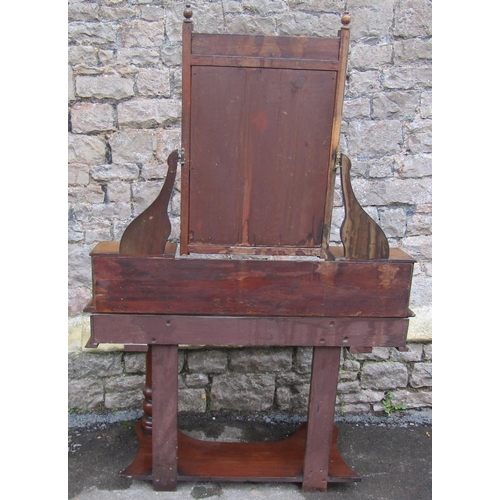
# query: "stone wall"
[[124, 85]]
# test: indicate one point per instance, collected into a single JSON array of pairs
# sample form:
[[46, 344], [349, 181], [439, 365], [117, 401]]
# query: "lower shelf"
[[280, 461]]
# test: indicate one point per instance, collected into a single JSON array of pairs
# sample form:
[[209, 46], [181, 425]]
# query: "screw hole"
[[168, 322], [346, 339]]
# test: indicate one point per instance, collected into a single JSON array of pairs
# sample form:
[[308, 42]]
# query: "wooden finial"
[[346, 19], [188, 14]]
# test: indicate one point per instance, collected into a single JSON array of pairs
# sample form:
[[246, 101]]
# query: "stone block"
[[152, 13], [113, 172], [123, 392], [413, 165], [139, 33], [413, 355], [79, 272], [153, 82], [300, 397], [133, 146], [420, 399], [99, 231], [96, 34], [263, 7], [412, 50], [362, 83], [104, 87], [207, 361], [242, 392], [419, 224], [90, 117], [369, 137], [196, 380], [192, 400], [244, 23], [397, 104], [426, 105], [406, 78], [418, 136], [421, 376], [372, 21], [364, 56], [354, 409], [363, 396], [92, 193], [419, 247], [303, 360], [89, 150], [260, 359], [307, 24], [413, 18], [383, 375], [78, 298], [143, 194], [393, 222], [171, 55], [85, 394], [357, 108], [93, 365], [428, 352], [82, 54], [71, 85], [134, 362], [168, 140], [284, 398], [316, 5], [347, 387], [116, 13], [83, 11], [351, 365], [377, 354], [347, 376], [78, 174], [137, 56], [388, 191], [149, 113]]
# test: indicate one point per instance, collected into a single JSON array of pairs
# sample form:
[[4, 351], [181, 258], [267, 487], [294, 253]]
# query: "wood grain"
[[164, 397], [148, 233], [281, 461], [248, 330], [161, 285], [361, 236], [321, 410]]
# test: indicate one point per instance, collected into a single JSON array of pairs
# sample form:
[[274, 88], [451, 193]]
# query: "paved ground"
[[392, 455]]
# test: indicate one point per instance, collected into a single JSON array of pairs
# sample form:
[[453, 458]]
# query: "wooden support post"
[[164, 378], [324, 378]]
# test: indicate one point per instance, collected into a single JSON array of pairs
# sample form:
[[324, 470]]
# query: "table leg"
[[321, 411], [164, 381]]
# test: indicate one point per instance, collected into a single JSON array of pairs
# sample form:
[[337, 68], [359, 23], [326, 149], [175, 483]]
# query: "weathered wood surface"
[[361, 236], [261, 115], [281, 461], [321, 410], [247, 330], [161, 285], [164, 398], [259, 156], [286, 47], [148, 232]]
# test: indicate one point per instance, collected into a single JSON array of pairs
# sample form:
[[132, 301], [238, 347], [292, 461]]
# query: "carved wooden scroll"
[[361, 236], [149, 232]]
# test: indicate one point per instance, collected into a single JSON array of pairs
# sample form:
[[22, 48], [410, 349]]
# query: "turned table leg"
[[164, 382], [321, 411]]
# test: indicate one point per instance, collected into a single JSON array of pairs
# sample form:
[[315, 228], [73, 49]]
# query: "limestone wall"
[[124, 82]]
